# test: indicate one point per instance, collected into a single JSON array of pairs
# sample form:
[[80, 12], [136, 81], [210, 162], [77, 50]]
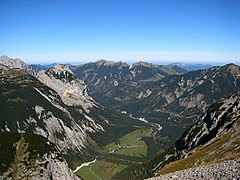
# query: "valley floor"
[[130, 145]]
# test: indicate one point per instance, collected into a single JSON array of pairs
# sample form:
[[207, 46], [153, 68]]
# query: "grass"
[[140, 151], [131, 144], [100, 170], [222, 149], [7, 149]]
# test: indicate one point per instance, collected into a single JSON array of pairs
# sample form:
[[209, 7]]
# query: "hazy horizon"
[[127, 61], [153, 31]]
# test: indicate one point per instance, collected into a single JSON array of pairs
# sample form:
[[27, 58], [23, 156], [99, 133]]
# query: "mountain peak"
[[232, 68], [13, 63], [4, 57], [72, 90], [120, 63], [16, 64], [104, 62], [62, 68], [142, 63]]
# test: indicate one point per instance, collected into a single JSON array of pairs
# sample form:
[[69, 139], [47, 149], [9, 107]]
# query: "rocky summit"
[[71, 89], [16, 64]]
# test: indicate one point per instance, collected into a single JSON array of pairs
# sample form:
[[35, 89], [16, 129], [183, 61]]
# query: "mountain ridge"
[[197, 147]]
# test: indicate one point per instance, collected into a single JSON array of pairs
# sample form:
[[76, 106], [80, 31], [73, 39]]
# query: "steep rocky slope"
[[214, 138], [222, 118], [72, 90], [30, 156], [28, 105]]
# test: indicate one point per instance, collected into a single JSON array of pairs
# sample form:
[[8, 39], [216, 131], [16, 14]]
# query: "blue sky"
[[44, 31]]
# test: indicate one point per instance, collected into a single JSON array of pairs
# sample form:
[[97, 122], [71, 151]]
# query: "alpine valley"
[[112, 120]]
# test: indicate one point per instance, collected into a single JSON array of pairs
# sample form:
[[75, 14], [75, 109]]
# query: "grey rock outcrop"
[[224, 171], [72, 90], [34, 107], [16, 64], [32, 160]]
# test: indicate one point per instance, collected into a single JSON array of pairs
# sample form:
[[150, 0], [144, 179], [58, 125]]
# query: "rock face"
[[30, 156], [220, 118], [16, 64], [224, 170], [213, 138], [27, 105], [72, 90]]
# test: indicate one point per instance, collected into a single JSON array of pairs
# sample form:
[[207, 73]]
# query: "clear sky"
[[45, 31]]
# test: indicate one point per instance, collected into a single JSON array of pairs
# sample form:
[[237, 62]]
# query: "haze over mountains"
[[78, 112]]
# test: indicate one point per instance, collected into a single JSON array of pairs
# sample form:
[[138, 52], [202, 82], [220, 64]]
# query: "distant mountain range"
[[178, 67], [191, 67]]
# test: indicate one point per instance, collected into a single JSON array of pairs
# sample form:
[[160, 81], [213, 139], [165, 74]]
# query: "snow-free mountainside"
[[112, 120]]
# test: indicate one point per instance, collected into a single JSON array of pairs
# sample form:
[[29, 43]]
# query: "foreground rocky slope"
[[30, 156], [28, 105], [225, 170], [213, 138], [222, 119]]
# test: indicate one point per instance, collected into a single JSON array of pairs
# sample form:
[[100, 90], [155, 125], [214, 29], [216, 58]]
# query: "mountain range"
[[76, 113], [57, 107], [173, 100]]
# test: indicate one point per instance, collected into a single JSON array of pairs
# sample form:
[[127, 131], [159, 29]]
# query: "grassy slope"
[[20, 152], [224, 147]]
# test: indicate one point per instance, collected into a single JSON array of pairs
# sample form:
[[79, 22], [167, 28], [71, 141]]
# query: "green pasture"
[[131, 144], [100, 170]]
